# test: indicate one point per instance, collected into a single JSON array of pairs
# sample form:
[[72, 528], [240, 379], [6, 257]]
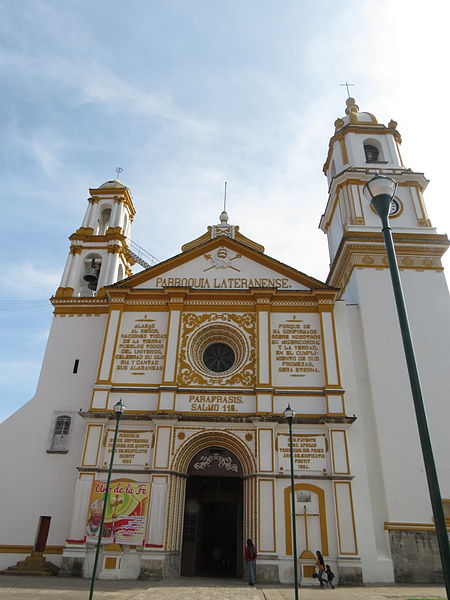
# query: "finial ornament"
[[224, 215], [225, 198], [119, 170], [352, 107], [347, 85]]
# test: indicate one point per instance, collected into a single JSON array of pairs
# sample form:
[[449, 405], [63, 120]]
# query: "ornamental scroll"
[[215, 462]]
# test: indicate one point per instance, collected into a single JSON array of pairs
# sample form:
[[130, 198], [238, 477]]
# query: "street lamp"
[[380, 191], [289, 413], [118, 408]]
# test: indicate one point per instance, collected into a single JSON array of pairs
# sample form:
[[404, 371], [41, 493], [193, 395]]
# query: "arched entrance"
[[213, 515]]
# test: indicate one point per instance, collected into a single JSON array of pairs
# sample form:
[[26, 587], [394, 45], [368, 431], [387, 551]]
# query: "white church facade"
[[206, 350]]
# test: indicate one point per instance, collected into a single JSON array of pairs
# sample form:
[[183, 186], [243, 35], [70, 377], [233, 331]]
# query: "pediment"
[[222, 263]]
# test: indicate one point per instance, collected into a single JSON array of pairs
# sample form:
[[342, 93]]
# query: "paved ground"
[[187, 588]]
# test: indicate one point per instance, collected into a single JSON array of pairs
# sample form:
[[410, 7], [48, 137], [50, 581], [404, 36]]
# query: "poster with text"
[[126, 512]]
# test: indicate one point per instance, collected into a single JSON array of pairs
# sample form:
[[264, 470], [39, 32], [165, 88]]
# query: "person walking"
[[330, 576], [320, 564], [250, 557]]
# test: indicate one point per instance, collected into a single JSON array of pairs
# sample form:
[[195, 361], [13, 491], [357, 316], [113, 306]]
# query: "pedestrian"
[[330, 575], [250, 557], [320, 564]]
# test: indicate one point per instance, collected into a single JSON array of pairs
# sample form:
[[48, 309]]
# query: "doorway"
[[213, 530]]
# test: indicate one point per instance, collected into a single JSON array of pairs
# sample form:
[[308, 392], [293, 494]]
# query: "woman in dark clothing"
[[320, 564], [250, 557]]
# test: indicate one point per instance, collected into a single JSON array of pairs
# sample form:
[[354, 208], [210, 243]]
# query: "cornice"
[[235, 245], [419, 252], [86, 234], [128, 299], [118, 194], [272, 418]]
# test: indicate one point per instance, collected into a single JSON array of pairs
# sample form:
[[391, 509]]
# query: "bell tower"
[[375, 379], [99, 253], [359, 148]]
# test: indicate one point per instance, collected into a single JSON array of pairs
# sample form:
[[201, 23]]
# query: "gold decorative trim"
[[64, 292], [19, 549], [394, 525], [117, 194], [397, 214], [199, 330], [348, 483], [90, 427], [234, 245], [272, 468], [322, 515], [353, 253], [206, 439], [340, 431], [359, 182], [273, 527], [365, 128]]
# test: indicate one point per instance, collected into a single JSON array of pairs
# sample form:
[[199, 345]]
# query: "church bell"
[[92, 276]]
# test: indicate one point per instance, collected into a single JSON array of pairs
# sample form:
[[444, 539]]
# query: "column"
[[156, 523], [175, 305], [109, 345], [263, 376], [82, 493]]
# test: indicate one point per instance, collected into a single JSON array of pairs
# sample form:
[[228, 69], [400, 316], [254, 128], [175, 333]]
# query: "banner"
[[126, 512]]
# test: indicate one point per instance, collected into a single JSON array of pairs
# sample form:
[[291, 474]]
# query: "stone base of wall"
[[160, 565], [71, 567], [350, 575], [415, 556], [267, 573]]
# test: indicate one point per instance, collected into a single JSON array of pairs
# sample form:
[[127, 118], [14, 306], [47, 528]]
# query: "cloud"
[[28, 281]]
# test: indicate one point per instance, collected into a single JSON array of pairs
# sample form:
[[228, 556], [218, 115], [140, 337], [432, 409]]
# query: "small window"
[[372, 153], [60, 435], [218, 357]]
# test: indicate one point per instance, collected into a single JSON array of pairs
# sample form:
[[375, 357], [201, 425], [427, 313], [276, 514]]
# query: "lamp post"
[[380, 191], [118, 408], [289, 413]]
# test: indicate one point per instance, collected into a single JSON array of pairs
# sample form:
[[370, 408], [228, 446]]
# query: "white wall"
[[35, 483]]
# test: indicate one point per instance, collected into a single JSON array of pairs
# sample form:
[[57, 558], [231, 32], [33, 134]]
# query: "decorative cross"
[[305, 515], [347, 85], [114, 506], [119, 170]]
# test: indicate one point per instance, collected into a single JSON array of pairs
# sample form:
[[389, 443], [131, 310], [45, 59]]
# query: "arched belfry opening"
[[213, 515]]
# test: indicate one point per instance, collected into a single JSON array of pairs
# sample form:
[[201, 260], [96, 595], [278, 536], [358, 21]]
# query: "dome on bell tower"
[[113, 183], [354, 116]]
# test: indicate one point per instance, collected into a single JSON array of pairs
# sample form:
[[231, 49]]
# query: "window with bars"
[[60, 434]]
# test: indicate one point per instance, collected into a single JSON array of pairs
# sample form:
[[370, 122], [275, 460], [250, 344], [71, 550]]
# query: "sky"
[[184, 95]]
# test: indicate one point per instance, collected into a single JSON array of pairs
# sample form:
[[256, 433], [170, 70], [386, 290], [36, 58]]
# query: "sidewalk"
[[187, 588]]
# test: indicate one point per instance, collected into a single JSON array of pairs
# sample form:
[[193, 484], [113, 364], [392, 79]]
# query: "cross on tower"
[[347, 85], [119, 170]]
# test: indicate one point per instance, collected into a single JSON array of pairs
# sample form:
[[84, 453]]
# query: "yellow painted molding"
[[393, 525], [322, 515], [19, 549]]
